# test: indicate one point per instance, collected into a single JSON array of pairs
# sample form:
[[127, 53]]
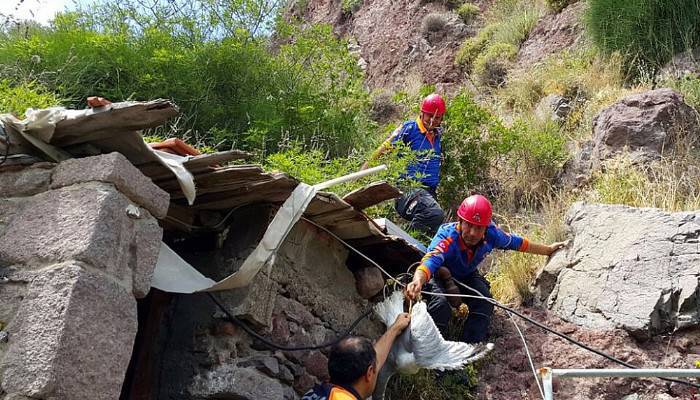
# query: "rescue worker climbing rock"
[[423, 136], [353, 365], [461, 246]]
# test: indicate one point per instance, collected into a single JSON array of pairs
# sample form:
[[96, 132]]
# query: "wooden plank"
[[198, 164], [275, 190], [371, 194], [206, 160], [219, 177], [103, 122]]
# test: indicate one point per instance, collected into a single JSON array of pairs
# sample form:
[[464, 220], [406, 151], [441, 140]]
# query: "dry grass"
[[672, 184], [578, 74], [514, 271]]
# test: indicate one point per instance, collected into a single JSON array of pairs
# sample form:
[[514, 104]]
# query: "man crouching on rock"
[[353, 365], [461, 246]]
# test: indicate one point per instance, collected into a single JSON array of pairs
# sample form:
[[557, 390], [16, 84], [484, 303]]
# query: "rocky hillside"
[[629, 283], [401, 43]]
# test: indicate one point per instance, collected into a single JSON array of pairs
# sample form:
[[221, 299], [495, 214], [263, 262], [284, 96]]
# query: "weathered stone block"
[[145, 249], [632, 268], [114, 168], [76, 332], [316, 364], [87, 223], [229, 381], [26, 182], [368, 281]]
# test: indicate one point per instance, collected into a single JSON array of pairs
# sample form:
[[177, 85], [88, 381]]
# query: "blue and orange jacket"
[[448, 248], [428, 148], [329, 391]]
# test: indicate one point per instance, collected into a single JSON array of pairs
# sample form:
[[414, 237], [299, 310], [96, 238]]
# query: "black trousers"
[[420, 208], [476, 327]]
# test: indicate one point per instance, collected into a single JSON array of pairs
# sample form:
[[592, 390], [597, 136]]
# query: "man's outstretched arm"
[[383, 345]]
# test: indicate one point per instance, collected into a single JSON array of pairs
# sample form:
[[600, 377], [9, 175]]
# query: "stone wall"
[[307, 297], [78, 244]]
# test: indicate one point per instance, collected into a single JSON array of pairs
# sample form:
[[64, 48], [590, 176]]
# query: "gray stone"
[[632, 268], [114, 168], [368, 281], [229, 381], [553, 107], [76, 332], [646, 125], [26, 182], [254, 303], [263, 363], [683, 65], [145, 249], [87, 223]]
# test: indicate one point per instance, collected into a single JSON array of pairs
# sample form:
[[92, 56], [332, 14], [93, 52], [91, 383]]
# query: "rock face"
[[646, 124], [552, 34], [630, 268], [683, 65], [395, 51], [77, 245]]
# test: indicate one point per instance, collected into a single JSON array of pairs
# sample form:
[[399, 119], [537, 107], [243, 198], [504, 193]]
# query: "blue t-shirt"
[[448, 249], [428, 151]]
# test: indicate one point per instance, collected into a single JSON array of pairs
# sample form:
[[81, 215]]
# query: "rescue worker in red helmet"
[[424, 137], [461, 246]]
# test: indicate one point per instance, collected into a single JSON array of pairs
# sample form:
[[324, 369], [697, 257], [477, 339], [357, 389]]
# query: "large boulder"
[[632, 268], [647, 125]]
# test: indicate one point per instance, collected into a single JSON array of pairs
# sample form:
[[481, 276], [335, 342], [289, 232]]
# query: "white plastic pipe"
[[548, 373], [349, 177], [628, 372]]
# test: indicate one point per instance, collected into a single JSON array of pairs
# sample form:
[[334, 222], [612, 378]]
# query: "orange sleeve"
[[425, 270], [524, 245]]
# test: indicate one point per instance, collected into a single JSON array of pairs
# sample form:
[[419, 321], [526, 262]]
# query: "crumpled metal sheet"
[[173, 274]]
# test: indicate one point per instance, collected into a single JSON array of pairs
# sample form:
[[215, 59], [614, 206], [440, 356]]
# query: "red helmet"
[[475, 209], [433, 104]]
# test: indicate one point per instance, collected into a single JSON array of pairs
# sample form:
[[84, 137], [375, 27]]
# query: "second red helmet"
[[433, 104], [476, 210]]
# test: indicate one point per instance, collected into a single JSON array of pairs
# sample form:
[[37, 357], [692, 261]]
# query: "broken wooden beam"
[[372, 194], [103, 122]]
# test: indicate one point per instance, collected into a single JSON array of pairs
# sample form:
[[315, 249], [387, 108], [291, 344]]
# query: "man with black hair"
[[353, 365]]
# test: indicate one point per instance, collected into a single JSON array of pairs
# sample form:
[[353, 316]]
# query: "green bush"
[[647, 32], [232, 90], [491, 66], [350, 6], [471, 139], [16, 99], [468, 11], [471, 47], [516, 28]]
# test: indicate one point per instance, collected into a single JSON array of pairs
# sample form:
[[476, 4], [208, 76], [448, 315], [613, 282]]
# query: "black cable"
[[265, 341], [497, 304], [584, 346]]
